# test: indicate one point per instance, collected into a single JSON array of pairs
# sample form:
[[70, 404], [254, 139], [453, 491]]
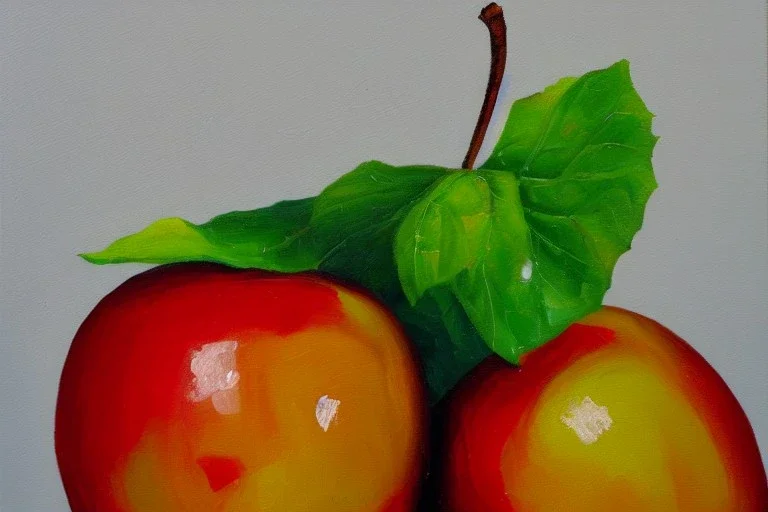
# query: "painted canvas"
[[412, 337]]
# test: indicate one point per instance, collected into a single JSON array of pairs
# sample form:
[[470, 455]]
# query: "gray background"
[[114, 116]]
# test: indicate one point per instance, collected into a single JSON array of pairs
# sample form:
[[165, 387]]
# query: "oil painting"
[[408, 335]]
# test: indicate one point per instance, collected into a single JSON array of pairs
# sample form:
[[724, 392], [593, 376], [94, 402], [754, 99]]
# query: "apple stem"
[[493, 17]]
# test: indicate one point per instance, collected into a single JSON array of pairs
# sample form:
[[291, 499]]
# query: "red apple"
[[616, 414], [202, 388]]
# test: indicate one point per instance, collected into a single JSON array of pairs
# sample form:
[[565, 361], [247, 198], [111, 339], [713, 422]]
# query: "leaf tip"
[[371, 163], [92, 257], [411, 290], [412, 299], [623, 68]]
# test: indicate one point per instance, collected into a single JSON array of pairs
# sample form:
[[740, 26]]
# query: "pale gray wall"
[[115, 116]]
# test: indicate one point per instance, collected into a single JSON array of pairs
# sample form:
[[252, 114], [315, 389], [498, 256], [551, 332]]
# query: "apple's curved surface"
[[617, 413], [201, 388]]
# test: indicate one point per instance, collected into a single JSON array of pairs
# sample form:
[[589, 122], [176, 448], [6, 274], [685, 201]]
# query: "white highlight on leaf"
[[325, 411], [527, 271], [216, 376], [588, 420]]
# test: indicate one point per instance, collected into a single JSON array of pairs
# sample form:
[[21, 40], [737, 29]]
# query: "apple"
[[617, 413], [199, 387]]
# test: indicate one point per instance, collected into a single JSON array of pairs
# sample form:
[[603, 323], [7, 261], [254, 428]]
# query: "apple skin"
[[197, 387], [617, 413]]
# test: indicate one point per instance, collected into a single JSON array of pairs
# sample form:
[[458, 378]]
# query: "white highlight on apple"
[[216, 376], [325, 411], [527, 271], [588, 420]]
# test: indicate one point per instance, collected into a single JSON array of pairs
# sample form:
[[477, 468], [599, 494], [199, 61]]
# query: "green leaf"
[[491, 275], [354, 215], [585, 177], [448, 343], [500, 259], [441, 235], [582, 153], [274, 238], [548, 131], [529, 242], [356, 218]]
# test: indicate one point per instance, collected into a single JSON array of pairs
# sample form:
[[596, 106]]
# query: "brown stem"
[[493, 17]]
